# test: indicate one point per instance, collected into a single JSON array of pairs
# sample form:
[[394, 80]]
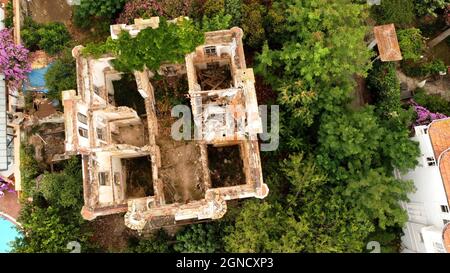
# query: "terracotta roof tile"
[[387, 42], [439, 131]]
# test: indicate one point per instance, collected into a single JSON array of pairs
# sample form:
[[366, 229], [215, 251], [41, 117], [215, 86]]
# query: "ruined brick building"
[[130, 167]]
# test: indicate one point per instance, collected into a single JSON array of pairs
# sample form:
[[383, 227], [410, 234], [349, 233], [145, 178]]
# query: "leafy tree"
[[52, 37], [399, 12], [213, 7], [139, 9], [252, 24], [64, 189], [313, 71], [88, 9], [158, 243], [29, 33], [200, 238], [385, 87], [234, 9], [168, 43], [313, 218], [29, 170], [9, 15], [61, 76], [412, 43], [424, 7], [216, 22], [48, 230], [434, 102]]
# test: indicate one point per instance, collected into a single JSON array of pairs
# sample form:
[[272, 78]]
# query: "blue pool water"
[[8, 233], [36, 78]]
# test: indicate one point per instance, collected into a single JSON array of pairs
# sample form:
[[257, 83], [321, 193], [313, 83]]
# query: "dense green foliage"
[[342, 187], [84, 13], [168, 43], [412, 43], [434, 103], [48, 230], [158, 243], [423, 68], [424, 7], [9, 15], [53, 218], [52, 37], [61, 76], [310, 75], [331, 181], [385, 87], [29, 170], [200, 238], [399, 12], [64, 189]]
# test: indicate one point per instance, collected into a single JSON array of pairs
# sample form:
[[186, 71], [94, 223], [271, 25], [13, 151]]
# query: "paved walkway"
[[9, 205], [440, 86]]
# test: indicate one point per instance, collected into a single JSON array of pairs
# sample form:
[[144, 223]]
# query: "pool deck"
[[10, 206]]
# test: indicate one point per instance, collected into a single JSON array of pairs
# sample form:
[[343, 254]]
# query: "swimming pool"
[[8, 233], [36, 79]]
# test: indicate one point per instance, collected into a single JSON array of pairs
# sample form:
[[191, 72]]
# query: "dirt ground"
[[110, 232], [48, 141], [440, 85], [226, 166], [45, 11], [181, 170], [10, 205]]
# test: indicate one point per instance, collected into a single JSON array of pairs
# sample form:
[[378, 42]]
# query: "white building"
[[427, 229]]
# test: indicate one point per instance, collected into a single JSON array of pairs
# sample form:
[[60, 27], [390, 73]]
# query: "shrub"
[[234, 9], [399, 12], [158, 243], [9, 15], [29, 170], [423, 69], [88, 9], [29, 34], [385, 87], [51, 37], [424, 7], [216, 22], [49, 230], [64, 189], [433, 102], [61, 76], [412, 43], [139, 9], [175, 8], [14, 62], [253, 24], [169, 43], [213, 7], [200, 238]]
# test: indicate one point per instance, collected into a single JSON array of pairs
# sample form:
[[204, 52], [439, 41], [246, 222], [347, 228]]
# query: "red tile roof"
[[439, 131], [387, 42]]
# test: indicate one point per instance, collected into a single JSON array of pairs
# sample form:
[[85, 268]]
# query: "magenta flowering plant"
[[5, 187], [14, 61], [425, 116], [140, 9]]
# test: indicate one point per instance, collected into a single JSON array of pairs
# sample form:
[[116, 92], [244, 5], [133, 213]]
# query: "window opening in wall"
[[82, 118], [210, 51], [103, 179], [83, 132], [431, 161]]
